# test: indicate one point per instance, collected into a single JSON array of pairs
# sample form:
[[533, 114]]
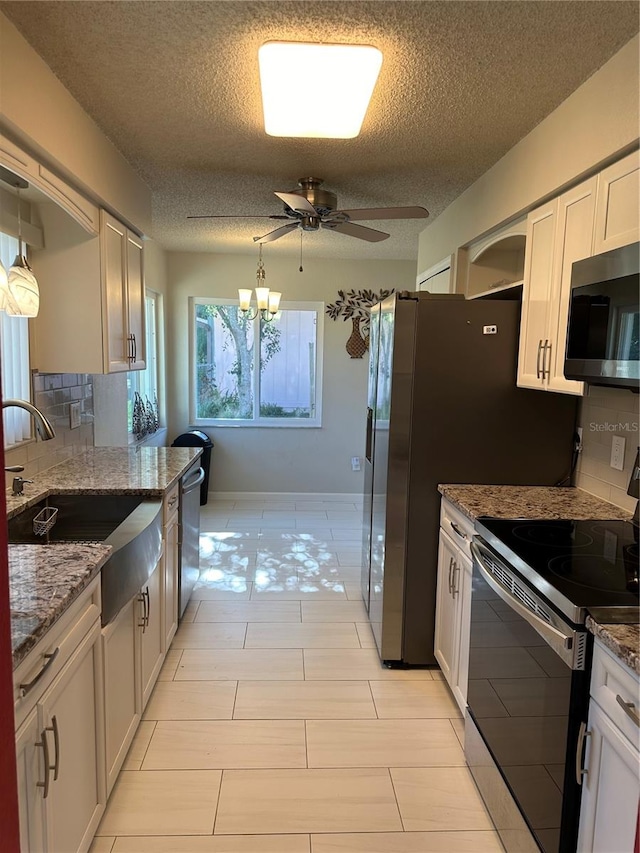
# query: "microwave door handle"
[[560, 641]]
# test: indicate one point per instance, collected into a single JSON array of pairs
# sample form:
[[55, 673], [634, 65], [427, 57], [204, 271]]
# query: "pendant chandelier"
[[268, 301]]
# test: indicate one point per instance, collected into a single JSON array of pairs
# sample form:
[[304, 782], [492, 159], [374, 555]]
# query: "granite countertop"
[[550, 502], [622, 640], [43, 581], [530, 502], [146, 471]]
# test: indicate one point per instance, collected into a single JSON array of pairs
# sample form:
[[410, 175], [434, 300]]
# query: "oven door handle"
[[562, 642]]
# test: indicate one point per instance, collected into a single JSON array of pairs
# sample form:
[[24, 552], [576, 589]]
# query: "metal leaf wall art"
[[355, 305]]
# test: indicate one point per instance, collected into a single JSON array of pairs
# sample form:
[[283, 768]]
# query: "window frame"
[[257, 422]]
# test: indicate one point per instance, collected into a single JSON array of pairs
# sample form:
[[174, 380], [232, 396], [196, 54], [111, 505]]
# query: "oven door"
[[527, 701]]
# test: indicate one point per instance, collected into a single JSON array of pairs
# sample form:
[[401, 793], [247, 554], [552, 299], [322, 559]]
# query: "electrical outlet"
[[579, 447], [355, 463], [74, 415], [617, 452]]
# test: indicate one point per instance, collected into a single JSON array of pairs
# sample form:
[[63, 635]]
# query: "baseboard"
[[287, 496]]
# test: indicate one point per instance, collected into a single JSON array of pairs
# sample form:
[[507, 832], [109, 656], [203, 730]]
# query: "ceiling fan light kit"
[[317, 91]]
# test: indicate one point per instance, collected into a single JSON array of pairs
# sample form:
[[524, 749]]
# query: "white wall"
[[271, 459], [41, 114], [599, 121]]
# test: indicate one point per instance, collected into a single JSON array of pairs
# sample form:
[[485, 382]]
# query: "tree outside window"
[[252, 372]]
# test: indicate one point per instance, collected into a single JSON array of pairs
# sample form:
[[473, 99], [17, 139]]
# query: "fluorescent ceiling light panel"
[[316, 90]]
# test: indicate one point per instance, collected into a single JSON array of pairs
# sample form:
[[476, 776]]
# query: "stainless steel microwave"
[[604, 320]]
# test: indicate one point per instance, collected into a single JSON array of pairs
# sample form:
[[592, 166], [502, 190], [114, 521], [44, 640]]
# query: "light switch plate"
[[74, 415]]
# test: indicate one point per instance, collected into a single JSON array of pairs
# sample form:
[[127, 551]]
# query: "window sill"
[[156, 439], [284, 424]]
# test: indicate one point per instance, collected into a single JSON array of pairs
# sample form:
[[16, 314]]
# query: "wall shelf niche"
[[495, 264]]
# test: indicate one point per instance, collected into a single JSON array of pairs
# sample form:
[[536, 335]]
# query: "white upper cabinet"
[[91, 316], [596, 216], [617, 211]]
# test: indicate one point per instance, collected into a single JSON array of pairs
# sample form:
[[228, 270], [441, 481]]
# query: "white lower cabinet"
[[121, 695], [453, 601], [30, 769], [611, 786], [171, 561], [60, 751], [133, 654], [150, 631]]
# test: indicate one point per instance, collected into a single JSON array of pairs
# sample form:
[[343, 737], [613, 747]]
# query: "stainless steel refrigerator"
[[443, 407]]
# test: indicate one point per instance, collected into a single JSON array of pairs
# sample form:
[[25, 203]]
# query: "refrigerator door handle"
[[369, 438]]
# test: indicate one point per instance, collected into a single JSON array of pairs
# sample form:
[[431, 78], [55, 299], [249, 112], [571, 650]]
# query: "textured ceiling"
[[175, 86]]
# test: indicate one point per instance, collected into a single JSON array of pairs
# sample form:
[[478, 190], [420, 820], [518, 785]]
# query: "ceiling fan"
[[311, 208]]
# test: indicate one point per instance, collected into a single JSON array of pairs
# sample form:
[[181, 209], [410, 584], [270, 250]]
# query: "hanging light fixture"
[[268, 300], [6, 299], [22, 285]]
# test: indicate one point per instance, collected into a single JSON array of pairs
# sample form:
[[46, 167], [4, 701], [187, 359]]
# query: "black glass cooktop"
[[589, 563]]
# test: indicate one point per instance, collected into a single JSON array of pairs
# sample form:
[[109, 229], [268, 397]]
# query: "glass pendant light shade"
[[244, 297], [23, 291], [5, 296], [274, 301]]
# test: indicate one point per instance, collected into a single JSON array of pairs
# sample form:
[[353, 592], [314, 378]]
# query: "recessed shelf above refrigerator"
[[496, 263]]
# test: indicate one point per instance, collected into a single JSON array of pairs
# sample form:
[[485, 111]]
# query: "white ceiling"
[[175, 86]]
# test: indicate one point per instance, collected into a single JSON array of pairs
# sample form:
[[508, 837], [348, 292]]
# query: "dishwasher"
[[189, 534]]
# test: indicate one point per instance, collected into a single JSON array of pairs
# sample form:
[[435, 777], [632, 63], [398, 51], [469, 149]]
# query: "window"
[[253, 373], [14, 352], [146, 382]]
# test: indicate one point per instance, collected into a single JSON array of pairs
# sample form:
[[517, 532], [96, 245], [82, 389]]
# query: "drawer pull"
[[629, 708], [173, 501], [26, 687], [457, 530]]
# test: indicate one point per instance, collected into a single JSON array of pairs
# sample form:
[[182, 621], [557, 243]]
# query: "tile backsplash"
[[52, 394], [604, 413]]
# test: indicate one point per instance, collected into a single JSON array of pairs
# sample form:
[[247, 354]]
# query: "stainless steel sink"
[[129, 523]]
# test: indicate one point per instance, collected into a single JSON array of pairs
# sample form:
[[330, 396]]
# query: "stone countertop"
[[622, 640], [530, 502], [43, 581], [146, 471]]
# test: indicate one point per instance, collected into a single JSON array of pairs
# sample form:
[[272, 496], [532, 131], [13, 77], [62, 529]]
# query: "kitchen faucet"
[[43, 426]]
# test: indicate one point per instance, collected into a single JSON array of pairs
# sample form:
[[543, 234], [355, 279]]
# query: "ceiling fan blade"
[[297, 202], [234, 216], [387, 213], [358, 231], [275, 235]]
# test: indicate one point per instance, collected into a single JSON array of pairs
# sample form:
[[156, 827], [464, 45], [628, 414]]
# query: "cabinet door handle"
[[173, 501], [454, 588], [47, 767], [629, 708], [56, 746], [450, 570], [457, 530], [546, 371], [148, 607], [142, 599], [26, 687], [135, 348], [538, 371], [580, 770]]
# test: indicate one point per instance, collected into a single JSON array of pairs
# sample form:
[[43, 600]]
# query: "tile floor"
[[274, 728]]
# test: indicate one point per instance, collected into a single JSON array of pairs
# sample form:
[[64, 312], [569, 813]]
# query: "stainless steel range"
[[530, 658]]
